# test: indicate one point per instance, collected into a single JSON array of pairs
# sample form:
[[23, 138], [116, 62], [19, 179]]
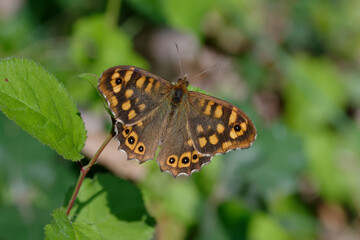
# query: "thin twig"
[[84, 170]]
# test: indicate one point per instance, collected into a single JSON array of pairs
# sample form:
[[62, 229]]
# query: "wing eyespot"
[[237, 127], [131, 140], [185, 160], [118, 81]]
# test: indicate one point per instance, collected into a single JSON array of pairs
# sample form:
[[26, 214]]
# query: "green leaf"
[[39, 104], [62, 228], [113, 206], [197, 89], [91, 78]]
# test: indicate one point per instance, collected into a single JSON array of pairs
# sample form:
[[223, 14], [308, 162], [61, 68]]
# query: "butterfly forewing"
[[132, 93], [217, 126]]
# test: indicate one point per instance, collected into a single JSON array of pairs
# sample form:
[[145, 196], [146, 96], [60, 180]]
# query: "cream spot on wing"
[[115, 75], [131, 114], [243, 126], [226, 145], [157, 85], [218, 111], [233, 134], [149, 86], [199, 128], [220, 128], [232, 117], [126, 105], [208, 108], [202, 141], [140, 82], [129, 93], [213, 139], [128, 76], [141, 106], [113, 101], [117, 88]]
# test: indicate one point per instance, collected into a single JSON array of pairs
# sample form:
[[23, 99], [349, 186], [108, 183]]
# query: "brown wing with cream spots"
[[141, 140], [217, 126], [178, 154], [132, 93]]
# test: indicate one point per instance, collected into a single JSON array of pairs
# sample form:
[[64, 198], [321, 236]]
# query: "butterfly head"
[[182, 81], [179, 90]]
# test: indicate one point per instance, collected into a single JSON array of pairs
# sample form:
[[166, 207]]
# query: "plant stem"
[[84, 170], [112, 12]]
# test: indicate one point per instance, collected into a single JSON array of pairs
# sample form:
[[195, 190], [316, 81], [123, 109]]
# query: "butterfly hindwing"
[[217, 126], [141, 139], [132, 93], [178, 154]]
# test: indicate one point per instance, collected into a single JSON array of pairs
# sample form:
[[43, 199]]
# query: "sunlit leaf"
[[39, 104]]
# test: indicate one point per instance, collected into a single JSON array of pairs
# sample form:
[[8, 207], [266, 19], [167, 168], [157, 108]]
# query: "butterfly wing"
[[178, 154], [132, 93], [141, 139], [217, 126], [136, 99]]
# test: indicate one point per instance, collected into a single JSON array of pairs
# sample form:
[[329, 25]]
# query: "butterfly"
[[190, 127]]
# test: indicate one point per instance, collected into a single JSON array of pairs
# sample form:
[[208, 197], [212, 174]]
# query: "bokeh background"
[[292, 66]]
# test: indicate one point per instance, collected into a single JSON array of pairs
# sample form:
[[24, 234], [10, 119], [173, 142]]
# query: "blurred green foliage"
[[299, 63]]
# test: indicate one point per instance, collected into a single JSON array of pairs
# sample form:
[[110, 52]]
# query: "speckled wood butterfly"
[[190, 127]]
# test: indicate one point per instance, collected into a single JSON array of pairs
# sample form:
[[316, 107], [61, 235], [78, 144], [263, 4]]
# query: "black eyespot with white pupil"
[[131, 140], [118, 81], [172, 160], [185, 160], [237, 128], [141, 148]]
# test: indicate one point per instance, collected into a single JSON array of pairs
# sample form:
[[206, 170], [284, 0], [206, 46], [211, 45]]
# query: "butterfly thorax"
[[179, 91]]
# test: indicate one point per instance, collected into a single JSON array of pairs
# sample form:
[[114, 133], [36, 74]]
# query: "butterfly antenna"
[[178, 55], [206, 70]]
